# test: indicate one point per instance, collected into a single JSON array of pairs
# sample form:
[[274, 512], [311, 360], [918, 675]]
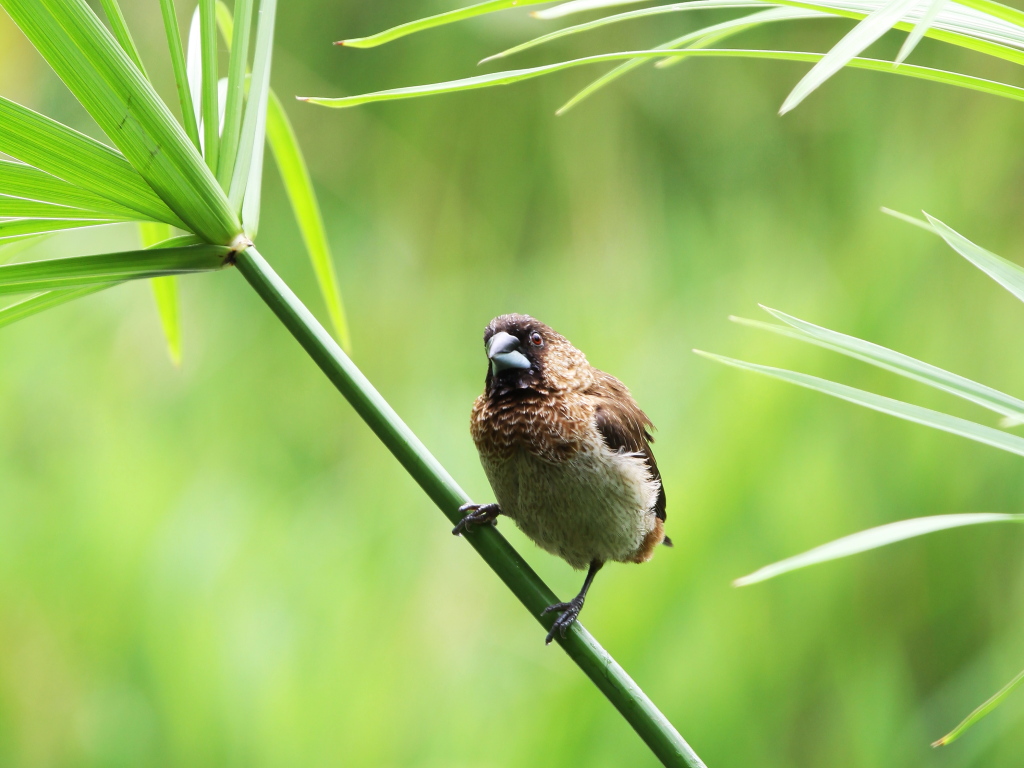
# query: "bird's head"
[[523, 353]]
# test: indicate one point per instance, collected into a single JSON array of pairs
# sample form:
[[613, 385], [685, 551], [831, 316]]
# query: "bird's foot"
[[476, 514], [569, 613]]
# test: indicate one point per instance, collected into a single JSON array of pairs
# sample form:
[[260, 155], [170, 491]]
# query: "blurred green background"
[[221, 566]]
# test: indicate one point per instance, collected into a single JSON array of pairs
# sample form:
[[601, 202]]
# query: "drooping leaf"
[[855, 41], [701, 38], [435, 21], [873, 538], [580, 6], [1006, 273], [691, 5], [904, 365], [914, 413], [40, 303], [920, 28], [996, 699], [299, 187], [517, 75], [165, 291]]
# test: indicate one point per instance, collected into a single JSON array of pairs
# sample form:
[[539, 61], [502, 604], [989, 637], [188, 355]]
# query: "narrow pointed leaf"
[[904, 365], [120, 29], [20, 207], [981, 711], [691, 5], [188, 110], [918, 32], [44, 301], [859, 38], [34, 276], [873, 538], [517, 75], [1006, 273], [440, 19], [580, 6], [914, 413], [247, 181], [701, 38], [165, 292], [299, 187], [21, 180], [208, 46], [11, 248], [78, 159], [85, 55], [237, 67], [16, 229], [194, 68]]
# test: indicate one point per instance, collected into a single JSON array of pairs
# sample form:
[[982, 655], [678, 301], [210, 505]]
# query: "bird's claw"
[[476, 514], [569, 613]]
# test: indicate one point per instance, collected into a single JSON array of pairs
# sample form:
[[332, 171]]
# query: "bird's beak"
[[503, 352]]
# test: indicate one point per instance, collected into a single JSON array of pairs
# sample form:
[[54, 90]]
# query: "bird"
[[567, 452]]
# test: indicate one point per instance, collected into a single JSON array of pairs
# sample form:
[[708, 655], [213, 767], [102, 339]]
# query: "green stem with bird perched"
[[634, 705]]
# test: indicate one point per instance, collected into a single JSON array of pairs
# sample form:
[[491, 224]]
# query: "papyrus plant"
[[194, 189]]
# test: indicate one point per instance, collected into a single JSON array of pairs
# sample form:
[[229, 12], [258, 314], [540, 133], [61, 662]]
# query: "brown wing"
[[625, 427]]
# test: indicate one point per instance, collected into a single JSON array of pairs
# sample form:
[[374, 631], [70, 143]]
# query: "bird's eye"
[[536, 339]]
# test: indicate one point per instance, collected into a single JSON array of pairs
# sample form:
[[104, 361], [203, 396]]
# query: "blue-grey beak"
[[503, 352]]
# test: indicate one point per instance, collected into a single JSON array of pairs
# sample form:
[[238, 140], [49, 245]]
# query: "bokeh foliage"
[[221, 565]]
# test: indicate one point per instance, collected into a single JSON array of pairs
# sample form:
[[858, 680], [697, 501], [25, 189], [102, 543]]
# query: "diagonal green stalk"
[[652, 726]]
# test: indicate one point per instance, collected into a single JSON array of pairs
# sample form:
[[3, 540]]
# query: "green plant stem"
[[652, 726]]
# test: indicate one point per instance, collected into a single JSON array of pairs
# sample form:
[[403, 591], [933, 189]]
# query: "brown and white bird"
[[567, 452]]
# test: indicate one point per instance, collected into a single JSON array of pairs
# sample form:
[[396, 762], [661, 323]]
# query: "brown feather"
[[625, 427]]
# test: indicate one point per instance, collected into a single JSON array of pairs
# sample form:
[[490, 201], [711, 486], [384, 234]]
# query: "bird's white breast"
[[597, 505]]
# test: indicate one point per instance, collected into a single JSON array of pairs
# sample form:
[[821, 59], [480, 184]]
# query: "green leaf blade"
[[188, 110], [299, 187], [120, 29], [1004, 272], [44, 301], [165, 292], [873, 538], [247, 183], [211, 107], [237, 66], [53, 274], [518, 75], [896, 362], [983, 710], [449, 17], [914, 413]]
